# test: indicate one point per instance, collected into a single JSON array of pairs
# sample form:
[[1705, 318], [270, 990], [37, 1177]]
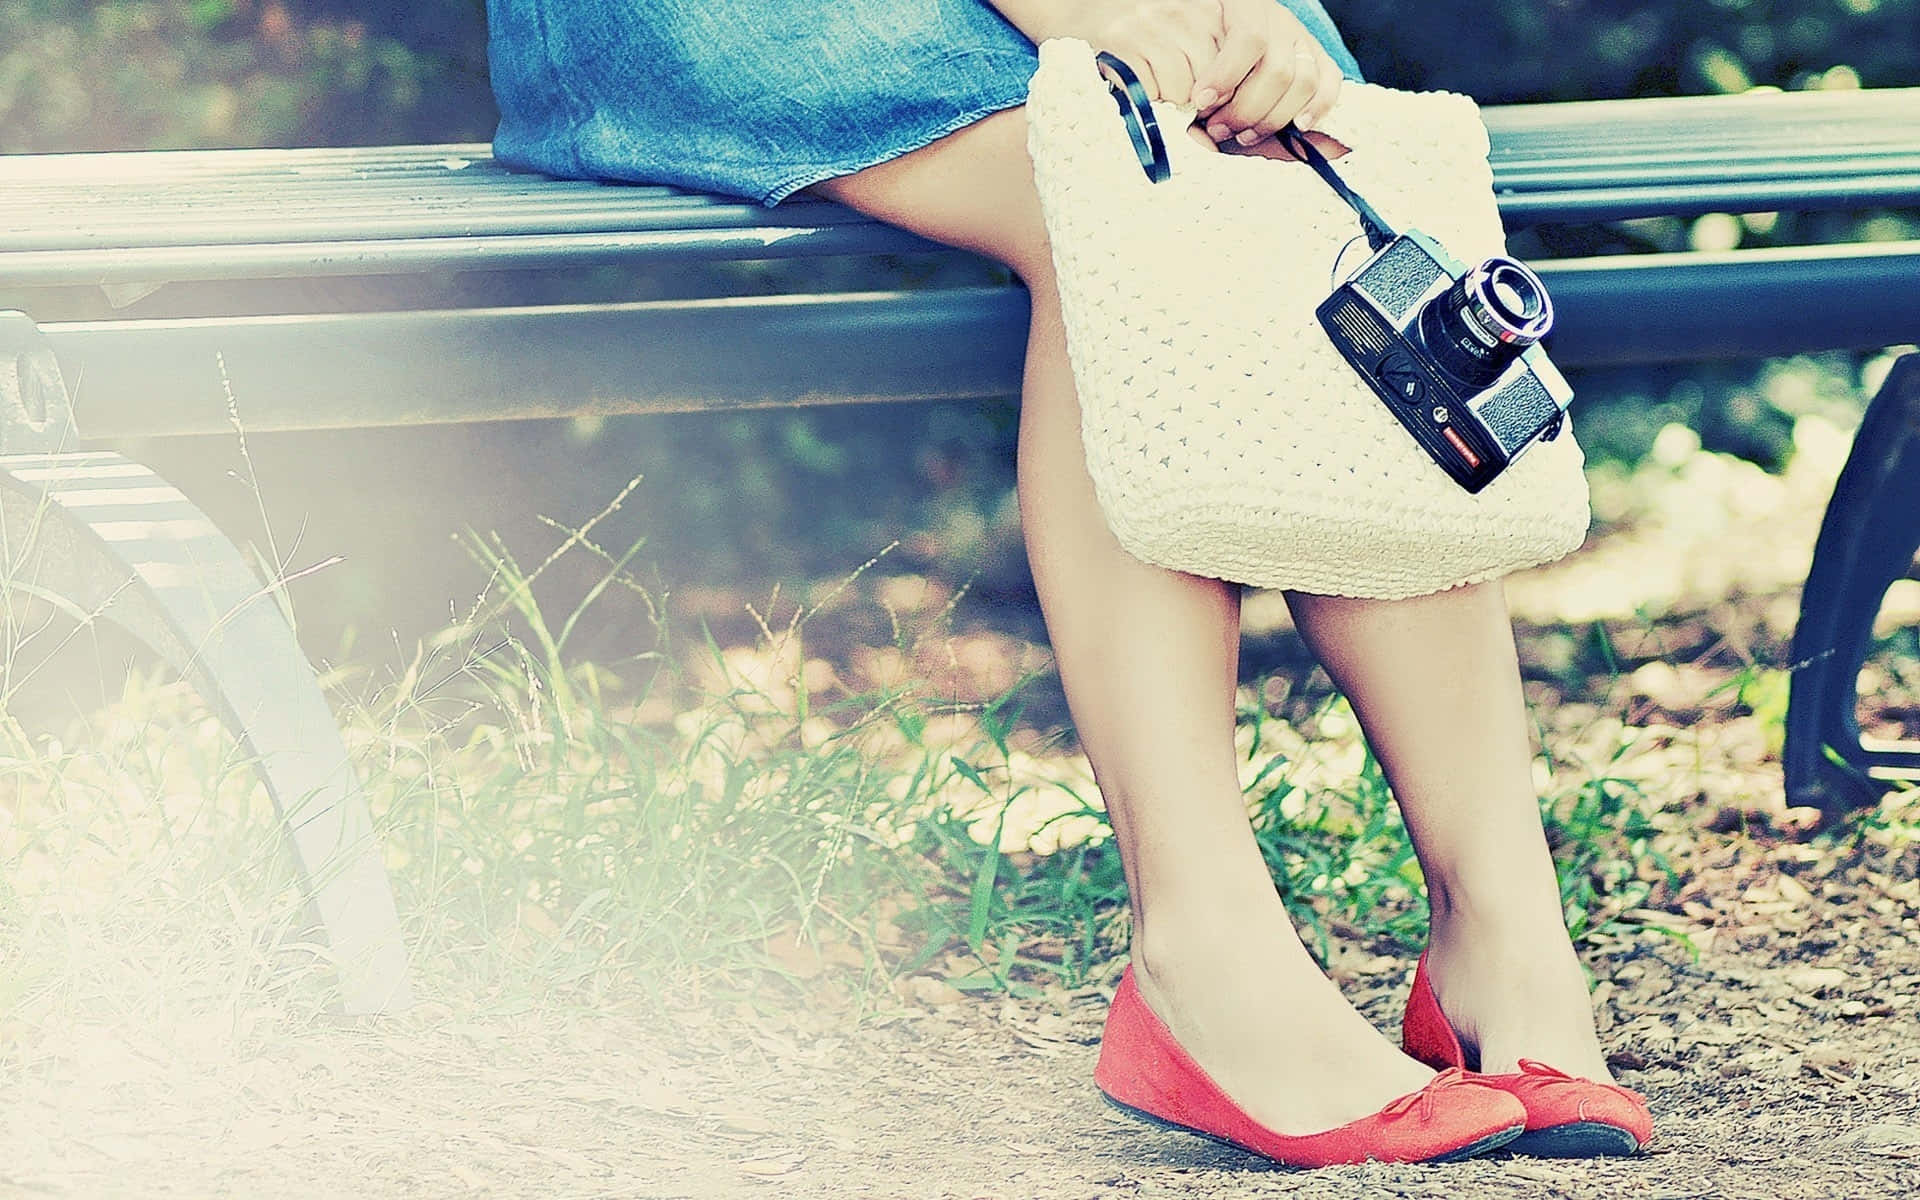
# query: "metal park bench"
[[104, 538]]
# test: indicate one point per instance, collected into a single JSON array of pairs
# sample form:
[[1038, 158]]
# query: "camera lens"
[[1482, 323]]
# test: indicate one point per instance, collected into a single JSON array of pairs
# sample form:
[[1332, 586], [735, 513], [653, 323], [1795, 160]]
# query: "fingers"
[[1324, 94], [1281, 88], [1166, 43], [1283, 74], [1277, 87], [1240, 51], [1248, 66]]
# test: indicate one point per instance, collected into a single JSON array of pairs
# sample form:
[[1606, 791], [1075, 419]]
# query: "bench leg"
[[104, 538], [1867, 541]]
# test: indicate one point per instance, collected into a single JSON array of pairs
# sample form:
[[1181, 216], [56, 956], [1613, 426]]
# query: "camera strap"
[[1379, 233]]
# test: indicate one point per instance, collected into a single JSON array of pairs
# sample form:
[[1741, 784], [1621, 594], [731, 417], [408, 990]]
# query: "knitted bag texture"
[[1225, 434]]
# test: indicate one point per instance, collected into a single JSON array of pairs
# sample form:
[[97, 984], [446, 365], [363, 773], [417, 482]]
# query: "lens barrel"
[[1479, 325]]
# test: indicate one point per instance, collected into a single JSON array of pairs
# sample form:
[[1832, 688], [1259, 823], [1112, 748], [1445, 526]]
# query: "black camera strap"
[[1379, 233]]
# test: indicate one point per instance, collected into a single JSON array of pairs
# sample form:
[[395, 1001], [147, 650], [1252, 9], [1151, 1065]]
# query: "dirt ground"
[[1784, 1061]]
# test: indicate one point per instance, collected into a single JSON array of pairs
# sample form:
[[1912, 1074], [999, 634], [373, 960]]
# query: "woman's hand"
[[1269, 70], [1168, 43], [1248, 66]]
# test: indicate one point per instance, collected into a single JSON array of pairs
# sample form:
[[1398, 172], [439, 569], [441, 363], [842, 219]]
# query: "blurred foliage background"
[[746, 498], [135, 74], [115, 74], [1518, 50]]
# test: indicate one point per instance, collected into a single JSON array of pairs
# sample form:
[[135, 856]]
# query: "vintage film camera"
[[1453, 351]]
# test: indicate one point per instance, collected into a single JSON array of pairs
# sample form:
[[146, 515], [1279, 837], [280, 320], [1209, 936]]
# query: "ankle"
[[1487, 908], [1176, 939], [1467, 946], [1514, 989]]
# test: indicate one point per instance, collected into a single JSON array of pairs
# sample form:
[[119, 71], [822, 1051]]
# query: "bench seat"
[[131, 223], [223, 214]]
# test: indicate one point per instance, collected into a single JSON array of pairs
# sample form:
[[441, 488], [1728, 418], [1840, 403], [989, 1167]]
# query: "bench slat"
[[303, 260], [155, 377], [1578, 161], [504, 205], [359, 370], [1774, 195]]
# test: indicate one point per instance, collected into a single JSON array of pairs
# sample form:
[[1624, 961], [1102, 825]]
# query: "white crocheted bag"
[[1225, 435]]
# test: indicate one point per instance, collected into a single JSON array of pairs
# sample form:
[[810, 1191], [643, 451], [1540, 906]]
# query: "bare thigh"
[[972, 189]]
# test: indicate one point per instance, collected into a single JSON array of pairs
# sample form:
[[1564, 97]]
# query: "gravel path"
[[1782, 1062]]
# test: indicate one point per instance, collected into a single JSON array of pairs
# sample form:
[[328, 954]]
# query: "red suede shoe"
[[1567, 1117], [1143, 1071]]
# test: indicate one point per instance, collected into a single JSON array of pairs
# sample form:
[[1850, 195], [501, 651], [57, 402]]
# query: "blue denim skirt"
[[755, 98]]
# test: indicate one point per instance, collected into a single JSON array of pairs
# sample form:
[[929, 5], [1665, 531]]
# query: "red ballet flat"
[[1567, 1117], [1143, 1071]]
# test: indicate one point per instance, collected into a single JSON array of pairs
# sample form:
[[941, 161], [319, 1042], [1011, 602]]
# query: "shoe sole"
[[1493, 1141], [1577, 1139]]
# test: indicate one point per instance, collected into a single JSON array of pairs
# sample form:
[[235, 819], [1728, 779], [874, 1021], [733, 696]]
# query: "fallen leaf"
[[1816, 979], [1888, 1138], [1627, 1060], [653, 1095], [467, 1176], [124, 1149], [255, 1132], [1792, 890], [934, 993], [1039, 1045], [772, 1166], [1833, 1063]]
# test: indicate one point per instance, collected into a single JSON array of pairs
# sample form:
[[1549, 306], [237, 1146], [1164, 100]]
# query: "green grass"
[[687, 821]]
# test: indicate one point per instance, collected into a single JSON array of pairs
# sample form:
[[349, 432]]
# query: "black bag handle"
[[1150, 145], [1137, 111]]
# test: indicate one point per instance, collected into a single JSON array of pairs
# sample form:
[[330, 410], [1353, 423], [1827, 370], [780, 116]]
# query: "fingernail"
[[1248, 137], [1219, 132], [1205, 97]]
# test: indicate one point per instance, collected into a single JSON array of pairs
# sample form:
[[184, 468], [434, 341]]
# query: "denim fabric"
[[755, 98]]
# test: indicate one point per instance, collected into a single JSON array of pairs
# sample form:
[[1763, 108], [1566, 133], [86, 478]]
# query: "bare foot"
[[1513, 988], [1242, 996]]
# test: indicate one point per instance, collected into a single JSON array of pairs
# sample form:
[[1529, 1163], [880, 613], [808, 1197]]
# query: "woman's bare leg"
[[1148, 658], [1436, 685]]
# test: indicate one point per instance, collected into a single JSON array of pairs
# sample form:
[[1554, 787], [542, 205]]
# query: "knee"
[[1013, 231]]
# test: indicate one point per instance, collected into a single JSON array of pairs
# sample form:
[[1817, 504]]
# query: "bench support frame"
[[1868, 539], [102, 538]]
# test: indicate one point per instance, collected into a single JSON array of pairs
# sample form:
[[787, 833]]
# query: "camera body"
[[1453, 351]]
